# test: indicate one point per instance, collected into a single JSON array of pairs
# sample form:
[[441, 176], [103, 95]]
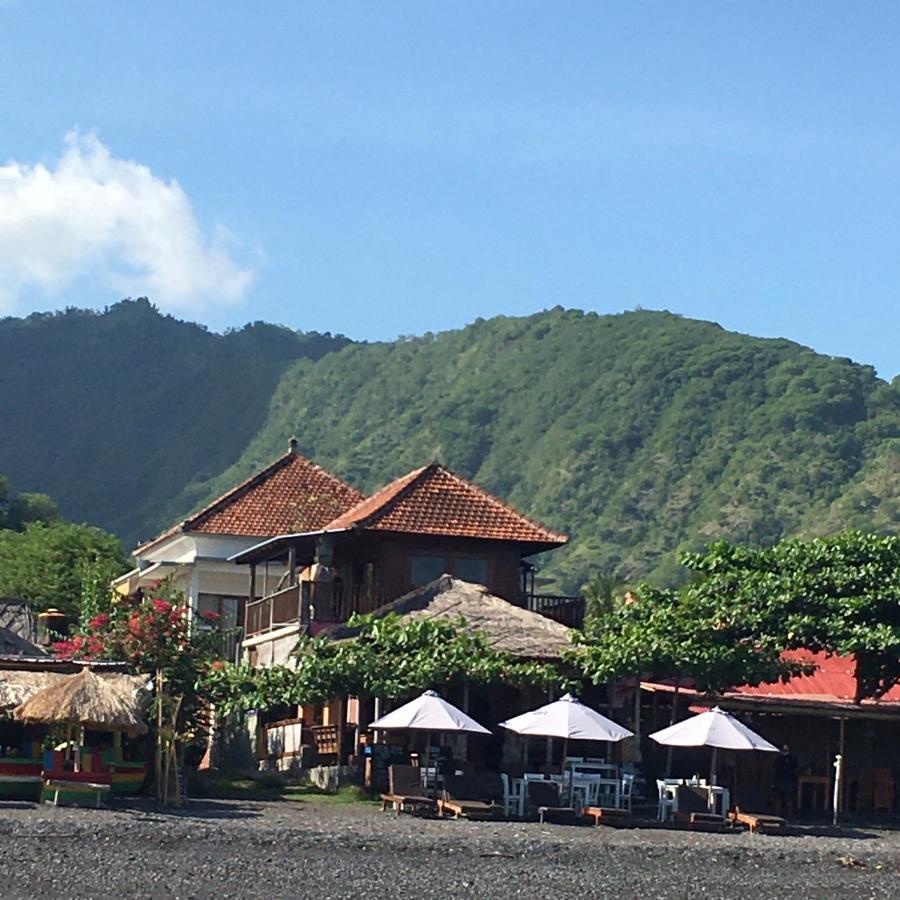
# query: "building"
[[291, 494], [814, 715], [426, 524]]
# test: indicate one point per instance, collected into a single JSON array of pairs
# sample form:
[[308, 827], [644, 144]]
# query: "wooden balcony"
[[327, 603], [565, 610], [274, 611]]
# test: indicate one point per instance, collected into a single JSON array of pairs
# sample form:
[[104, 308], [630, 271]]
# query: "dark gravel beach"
[[315, 849]]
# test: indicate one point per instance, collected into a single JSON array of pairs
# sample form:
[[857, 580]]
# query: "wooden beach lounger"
[[759, 823], [405, 791], [477, 796], [693, 811], [543, 796], [607, 815]]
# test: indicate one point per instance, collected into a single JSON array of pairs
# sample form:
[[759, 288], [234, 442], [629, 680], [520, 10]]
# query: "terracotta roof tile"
[[434, 500], [290, 495]]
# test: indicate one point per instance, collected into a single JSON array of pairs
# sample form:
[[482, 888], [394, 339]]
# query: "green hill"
[[640, 434], [114, 414]]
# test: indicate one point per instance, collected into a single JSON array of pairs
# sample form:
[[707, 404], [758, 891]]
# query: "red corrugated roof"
[[434, 500], [292, 494], [833, 681]]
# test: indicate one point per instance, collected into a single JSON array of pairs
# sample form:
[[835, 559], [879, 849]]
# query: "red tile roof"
[[434, 500], [290, 495]]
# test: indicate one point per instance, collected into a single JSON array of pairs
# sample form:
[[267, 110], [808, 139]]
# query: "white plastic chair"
[[668, 798], [627, 790], [513, 796]]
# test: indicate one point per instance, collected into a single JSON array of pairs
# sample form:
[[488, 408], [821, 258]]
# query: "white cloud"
[[113, 221]]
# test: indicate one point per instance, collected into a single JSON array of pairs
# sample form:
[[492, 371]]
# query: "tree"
[[45, 563], [686, 634], [390, 657], [836, 594], [155, 635]]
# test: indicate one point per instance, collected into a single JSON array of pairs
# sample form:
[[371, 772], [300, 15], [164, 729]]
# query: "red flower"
[[162, 606], [99, 621], [209, 615]]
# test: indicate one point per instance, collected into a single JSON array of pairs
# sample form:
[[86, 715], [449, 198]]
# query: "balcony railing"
[[274, 611], [327, 603], [565, 610]]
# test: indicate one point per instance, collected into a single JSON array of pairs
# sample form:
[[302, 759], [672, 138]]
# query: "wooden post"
[[672, 722], [292, 565], [637, 721]]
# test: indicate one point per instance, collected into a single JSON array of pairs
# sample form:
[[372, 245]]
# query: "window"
[[423, 569], [224, 608], [473, 570]]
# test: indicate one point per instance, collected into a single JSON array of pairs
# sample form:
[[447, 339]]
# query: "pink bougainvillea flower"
[[161, 606], [99, 621], [209, 615]]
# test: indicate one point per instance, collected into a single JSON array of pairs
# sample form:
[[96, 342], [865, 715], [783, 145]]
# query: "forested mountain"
[[639, 434], [114, 414]]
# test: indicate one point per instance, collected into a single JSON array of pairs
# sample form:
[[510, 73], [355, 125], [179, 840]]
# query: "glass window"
[[472, 570], [424, 569]]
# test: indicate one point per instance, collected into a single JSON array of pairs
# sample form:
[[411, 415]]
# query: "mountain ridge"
[[641, 434]]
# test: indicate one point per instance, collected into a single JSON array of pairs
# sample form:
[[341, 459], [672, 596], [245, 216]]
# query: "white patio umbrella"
[[567, 718], [714, 728], [428, 712]]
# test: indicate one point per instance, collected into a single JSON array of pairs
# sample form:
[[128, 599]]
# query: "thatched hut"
[[109, 702]]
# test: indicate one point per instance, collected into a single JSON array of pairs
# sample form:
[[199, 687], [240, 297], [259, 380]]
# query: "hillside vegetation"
[[639, 434], [115, 414]]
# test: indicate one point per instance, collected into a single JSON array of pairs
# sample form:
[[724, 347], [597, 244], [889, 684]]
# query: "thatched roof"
[[506, 627], [106, 702]]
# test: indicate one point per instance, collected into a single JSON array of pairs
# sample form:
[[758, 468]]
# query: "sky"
[[390, 168]]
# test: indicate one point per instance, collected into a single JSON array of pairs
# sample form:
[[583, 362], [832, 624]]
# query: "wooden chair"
[[405, 792]]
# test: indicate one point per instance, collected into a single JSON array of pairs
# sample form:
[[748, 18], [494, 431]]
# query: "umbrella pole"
[[564, 756], [427, 759], [715, 759]]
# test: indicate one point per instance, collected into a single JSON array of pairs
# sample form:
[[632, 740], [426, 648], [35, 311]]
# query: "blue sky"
[[390, 168]]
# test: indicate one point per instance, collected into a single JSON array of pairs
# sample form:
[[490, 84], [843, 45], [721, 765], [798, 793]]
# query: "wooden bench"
[[607, 815], [56, 785], [759, 823]]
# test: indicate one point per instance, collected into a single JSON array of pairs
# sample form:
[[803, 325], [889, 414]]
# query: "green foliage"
[[117, 414], [390, 657], [838, 595], [50, 564], [687, 634], [745, 606]]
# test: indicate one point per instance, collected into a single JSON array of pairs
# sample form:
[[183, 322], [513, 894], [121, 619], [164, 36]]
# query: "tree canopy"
[[836, 594]]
